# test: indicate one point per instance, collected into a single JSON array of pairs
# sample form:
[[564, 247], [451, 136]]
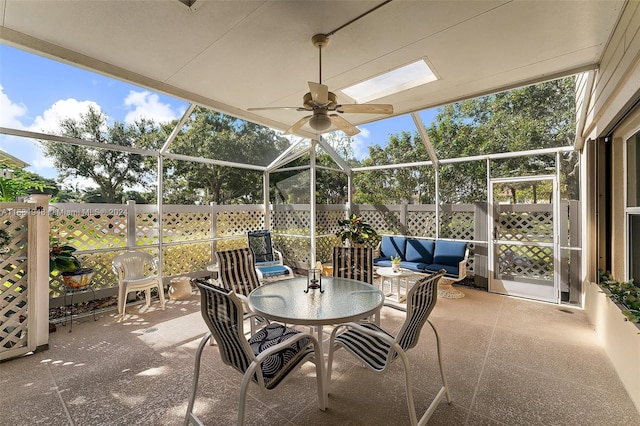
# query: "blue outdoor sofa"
[[426, 256]]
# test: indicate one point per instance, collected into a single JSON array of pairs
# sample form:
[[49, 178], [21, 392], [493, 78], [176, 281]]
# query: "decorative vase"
[[395, 267]]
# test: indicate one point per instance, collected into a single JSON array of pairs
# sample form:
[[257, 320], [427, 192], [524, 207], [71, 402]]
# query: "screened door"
[[523, 251]]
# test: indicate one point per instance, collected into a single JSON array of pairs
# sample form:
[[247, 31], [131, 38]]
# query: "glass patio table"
[[343, 300]]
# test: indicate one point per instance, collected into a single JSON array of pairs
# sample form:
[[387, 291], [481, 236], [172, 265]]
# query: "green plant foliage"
[[62, 259], [356, 230], [626, 293]]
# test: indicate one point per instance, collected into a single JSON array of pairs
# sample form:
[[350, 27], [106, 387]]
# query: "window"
[[633, 206], [633, 171]]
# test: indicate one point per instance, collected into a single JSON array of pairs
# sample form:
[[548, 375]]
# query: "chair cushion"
[[420, 251], [452, 271], [393, 246], [273, 271], [279, 364], [449, 252], [371, 350]]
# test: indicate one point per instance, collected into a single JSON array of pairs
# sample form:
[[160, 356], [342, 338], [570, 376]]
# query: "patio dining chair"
[[137, 270], [237, 273], [353, 262], [377, 349], [269, 261], [267, 358]]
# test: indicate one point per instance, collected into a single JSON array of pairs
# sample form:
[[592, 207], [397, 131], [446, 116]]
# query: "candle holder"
[[314, 280]]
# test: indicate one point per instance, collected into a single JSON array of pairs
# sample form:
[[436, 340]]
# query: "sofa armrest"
[[462, 266]]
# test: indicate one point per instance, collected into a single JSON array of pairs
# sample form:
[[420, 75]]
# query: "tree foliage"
[[528, 118], [110, 170], [400, 184], [24, 183], [213, 135]]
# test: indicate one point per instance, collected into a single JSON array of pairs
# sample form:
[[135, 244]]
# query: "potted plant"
[[63, 260], [355, 231], [625, 293], [395, 263]]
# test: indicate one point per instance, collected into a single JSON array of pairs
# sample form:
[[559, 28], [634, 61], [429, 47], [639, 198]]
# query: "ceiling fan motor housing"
[[320, 121]]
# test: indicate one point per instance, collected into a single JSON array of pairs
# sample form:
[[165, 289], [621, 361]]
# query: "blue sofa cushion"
[[449, 253], [382, 262], [452, 271], [414, 266], [420, 251], [393, 246]]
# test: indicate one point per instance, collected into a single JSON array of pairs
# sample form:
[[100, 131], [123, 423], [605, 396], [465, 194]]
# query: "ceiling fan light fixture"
[[320, 122]]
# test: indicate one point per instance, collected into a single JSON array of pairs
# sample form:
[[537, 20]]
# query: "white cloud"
[[147, 105], [49, 121], [11, 113], [361, 143]]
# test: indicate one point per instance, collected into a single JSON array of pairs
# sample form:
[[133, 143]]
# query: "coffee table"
[[396, 276]]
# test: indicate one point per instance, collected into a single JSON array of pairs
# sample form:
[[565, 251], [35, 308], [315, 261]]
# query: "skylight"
[[403, 78]]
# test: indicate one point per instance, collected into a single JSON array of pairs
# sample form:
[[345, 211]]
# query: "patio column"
[[38, 255], [312, 202]]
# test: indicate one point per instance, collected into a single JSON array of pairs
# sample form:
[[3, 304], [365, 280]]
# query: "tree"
[[213, 135], [396, 185], [110, 170], [24, 182], [532, 117]]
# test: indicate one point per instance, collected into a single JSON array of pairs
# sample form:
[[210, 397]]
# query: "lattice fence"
[[14, 295], [527, 224], [190, 239]]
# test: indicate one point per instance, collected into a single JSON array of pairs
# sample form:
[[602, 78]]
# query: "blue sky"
[[36, 93]]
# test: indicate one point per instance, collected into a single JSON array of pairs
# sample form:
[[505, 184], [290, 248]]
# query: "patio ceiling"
[[234, 55]]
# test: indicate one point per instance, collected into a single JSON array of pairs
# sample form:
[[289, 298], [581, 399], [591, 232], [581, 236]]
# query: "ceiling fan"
[[324, 104]]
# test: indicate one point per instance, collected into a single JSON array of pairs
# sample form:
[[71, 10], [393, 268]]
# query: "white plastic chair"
[[137, 271]]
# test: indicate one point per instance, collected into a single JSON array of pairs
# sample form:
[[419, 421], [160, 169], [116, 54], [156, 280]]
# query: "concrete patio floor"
[[509, 362]]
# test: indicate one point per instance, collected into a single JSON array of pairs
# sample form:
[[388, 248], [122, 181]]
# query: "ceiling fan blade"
[[319, 92], [297, 125], [278, 108], [344, 125], [366, 108]]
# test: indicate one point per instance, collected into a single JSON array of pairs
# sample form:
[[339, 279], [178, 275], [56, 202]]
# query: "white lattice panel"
[[90, 231], [147, 228], [457, 225], [421, 224], [518, 261], [186, 226], [294, 222], [238, 222], [526, 226], [14, 313], [185, 258]]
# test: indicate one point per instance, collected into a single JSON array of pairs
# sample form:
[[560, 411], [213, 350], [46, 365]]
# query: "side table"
[[68, 308], [396, 276]]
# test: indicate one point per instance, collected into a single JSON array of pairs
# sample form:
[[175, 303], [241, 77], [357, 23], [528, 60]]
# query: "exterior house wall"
[[617, 80], [609, 118]]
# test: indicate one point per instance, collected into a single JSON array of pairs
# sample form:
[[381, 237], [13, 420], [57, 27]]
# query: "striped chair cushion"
[[237, 270], [375, 352], [353, 262], [369, 349]]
